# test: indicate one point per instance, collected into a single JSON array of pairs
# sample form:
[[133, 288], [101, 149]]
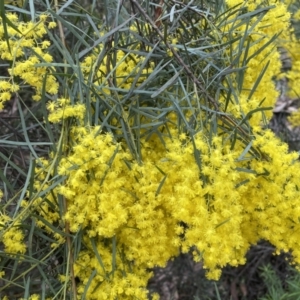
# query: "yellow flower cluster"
[[119, 280], [173, 202], [11, 236], [62, 109], [25, 48], [272, 198], [258, 57], [90, 164]]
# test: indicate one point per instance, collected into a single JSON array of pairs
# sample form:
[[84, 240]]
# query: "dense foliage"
[[156, 143]]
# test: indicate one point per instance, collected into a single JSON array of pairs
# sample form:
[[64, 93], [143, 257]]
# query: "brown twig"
[[158, 13]]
